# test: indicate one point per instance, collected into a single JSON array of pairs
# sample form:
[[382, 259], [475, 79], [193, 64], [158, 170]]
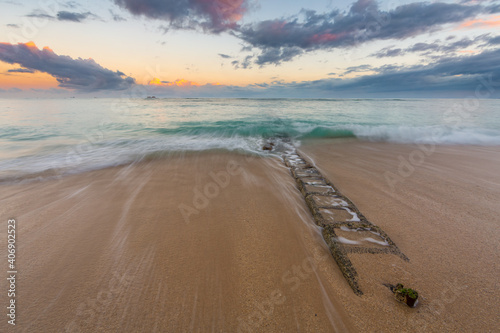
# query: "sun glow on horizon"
[[178, 83], [36, 80], [30, 44]]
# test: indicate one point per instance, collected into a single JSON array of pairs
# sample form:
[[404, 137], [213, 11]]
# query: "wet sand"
[[136, 249], [223, 242], [440, 206]]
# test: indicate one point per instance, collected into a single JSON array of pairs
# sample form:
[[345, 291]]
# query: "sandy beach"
[[224, 242], [112, 250], [439, 204]]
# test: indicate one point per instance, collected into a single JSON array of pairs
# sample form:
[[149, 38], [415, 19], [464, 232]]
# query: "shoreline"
[[192, 243]]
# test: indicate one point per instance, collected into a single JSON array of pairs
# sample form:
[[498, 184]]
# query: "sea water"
[[72, 135]]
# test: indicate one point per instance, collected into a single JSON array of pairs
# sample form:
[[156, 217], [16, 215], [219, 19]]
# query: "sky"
[[250, 48]]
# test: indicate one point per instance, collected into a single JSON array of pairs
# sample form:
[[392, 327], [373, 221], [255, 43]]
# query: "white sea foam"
[[427, 134], [437, 134], [85, 157]]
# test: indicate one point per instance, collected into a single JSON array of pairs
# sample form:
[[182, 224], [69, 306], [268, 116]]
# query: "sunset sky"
[[247, 48]]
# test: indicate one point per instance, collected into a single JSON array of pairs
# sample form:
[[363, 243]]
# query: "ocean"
[[58, 136]]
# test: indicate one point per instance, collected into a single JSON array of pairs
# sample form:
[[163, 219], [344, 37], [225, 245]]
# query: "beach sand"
[[440, 205], [135, 249], [224, 242]]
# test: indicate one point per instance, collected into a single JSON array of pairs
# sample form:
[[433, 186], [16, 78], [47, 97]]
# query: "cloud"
[[437, 47], [21, 70], [11, 90], [493, 9], [41, 15], [71, 4], [283, 39], [79, 74], [357, 69], [388, 52], [246, 63], [277, 55], [225, 56], [446, 74], [494, 40], [116, 17], [211, 15], [73, 17], [482, 23], [12, 2], [11, 25], [62, 16]]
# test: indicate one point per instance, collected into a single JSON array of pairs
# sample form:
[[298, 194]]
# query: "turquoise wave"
[[276, 128]]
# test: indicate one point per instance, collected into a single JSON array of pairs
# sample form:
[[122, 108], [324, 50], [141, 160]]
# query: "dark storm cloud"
[[80, 74], [283, 39], [21, 70], [73, 17], [211, 15]]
